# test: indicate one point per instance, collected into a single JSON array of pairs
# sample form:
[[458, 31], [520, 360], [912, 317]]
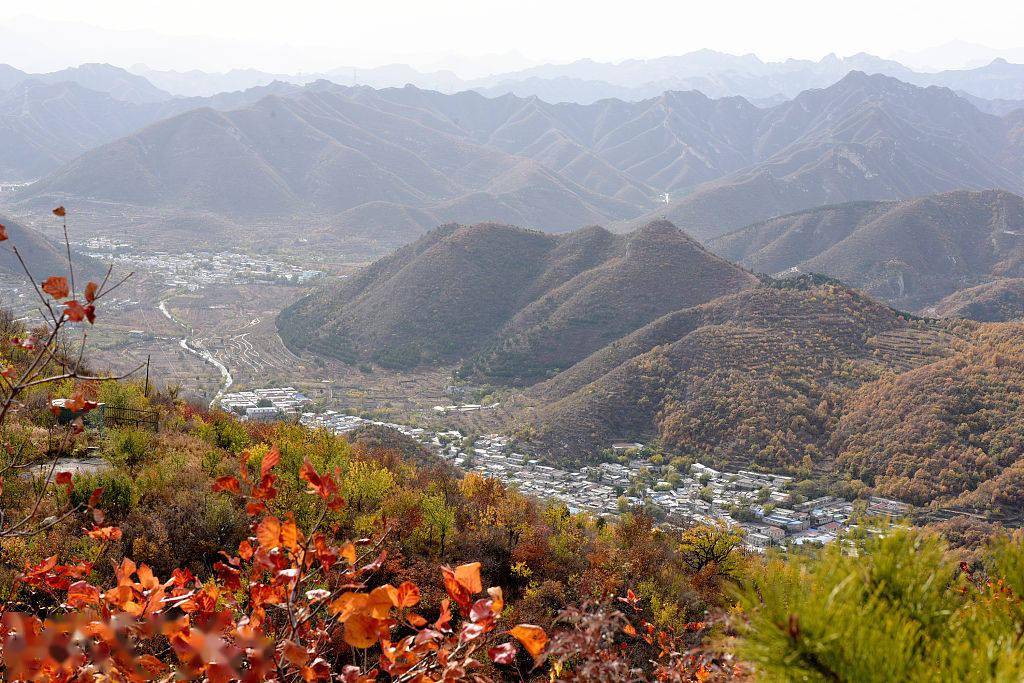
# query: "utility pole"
[[145, 391]]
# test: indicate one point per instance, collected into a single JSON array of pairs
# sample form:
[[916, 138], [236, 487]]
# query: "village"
[[677, 494], [192, 271]]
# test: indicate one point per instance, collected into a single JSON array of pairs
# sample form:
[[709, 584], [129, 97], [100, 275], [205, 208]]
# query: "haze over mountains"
[[390, 164]]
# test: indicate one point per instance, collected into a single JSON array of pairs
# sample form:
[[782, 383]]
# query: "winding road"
[[194, 346]]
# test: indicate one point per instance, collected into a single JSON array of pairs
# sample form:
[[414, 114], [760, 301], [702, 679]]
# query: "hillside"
[[949, 430], [912, 253], [738, 380], [513, 303], [41, 253], [1000, 300], [804, 377]]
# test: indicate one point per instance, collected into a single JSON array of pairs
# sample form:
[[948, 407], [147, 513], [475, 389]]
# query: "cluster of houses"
[[464, 408], [193, 271], [757, 502], [264, 404]]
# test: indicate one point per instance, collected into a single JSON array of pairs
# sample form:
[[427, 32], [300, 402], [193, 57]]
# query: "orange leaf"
[[295, 653], [456, 590], [408, 594], [497, 599], [56, 286], [268, 533], [3, 233], [533, 638], [382, 599], [348, 553], [469, 576], [60, 211], [362, 631], [90, 292], [105, 533], [227, 483], [348, 604], [290, 535]]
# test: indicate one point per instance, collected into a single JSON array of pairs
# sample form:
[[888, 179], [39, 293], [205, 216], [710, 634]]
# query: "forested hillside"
[[513, 304]]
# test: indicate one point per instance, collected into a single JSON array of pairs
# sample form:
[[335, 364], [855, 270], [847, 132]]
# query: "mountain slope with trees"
[[511, 303]]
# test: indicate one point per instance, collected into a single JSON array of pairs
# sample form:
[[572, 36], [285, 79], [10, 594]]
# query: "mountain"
[[866, 137], [317, 154], [196, 83], [10, 77], [910, 253], [805, 376], [115, 81], [999, 79], [41, 253], [996, 107], [513, 304], [385, 165], [714, 74], [44, 125], [1001, 299]]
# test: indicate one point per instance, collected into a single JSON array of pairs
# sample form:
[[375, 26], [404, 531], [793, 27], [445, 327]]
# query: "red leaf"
[[504, 654], [56, 286], [76, 312], [3, 233], [97, 493], [60, 211], [227, 484], [90, 292], [269, 460], [81, 594]]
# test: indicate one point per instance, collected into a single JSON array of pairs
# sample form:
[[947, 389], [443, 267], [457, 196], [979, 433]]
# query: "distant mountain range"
[[715, 74], [390, 164]]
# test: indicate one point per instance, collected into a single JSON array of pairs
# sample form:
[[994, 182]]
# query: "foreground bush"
[[895, 608]]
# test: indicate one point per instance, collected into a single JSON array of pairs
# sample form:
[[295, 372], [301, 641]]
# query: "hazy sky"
[[318, 34]]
